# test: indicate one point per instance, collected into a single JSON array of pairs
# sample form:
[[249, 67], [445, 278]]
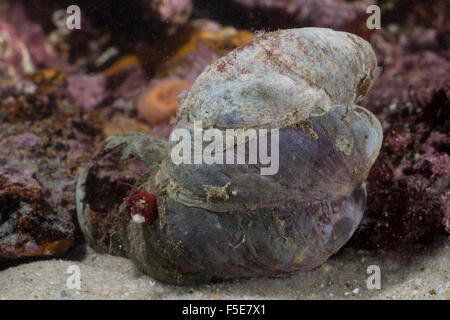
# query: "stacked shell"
[[221, 221]]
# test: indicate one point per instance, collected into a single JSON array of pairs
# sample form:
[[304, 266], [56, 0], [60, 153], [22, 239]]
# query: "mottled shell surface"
[[304, 81], [281, 78], [219, 222]]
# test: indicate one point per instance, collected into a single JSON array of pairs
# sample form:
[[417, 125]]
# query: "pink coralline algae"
[[321, 13], [15, 58], [172, 12], [23, 141], [42, 143], [408, 187], [412, 78], [87, 91], [24, 46], [28, 224]]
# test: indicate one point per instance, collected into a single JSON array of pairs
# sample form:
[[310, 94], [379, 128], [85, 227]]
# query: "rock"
[[42, 143]]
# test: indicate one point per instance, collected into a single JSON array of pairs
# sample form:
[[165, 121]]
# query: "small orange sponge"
[[159, 103]]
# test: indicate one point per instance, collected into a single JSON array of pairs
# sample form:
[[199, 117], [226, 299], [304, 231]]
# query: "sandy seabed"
[[420, 274]]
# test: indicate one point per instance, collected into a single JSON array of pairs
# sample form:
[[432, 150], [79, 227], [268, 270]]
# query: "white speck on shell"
[[137, 218]]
